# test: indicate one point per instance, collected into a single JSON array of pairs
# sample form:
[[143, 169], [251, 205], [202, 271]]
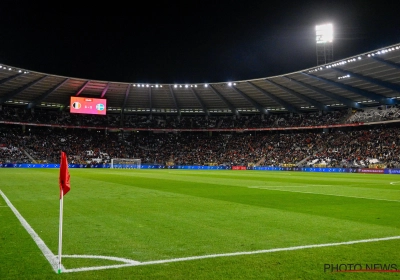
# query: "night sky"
[[186, 42]]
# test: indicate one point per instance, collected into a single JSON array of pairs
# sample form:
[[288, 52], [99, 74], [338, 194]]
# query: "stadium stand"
[[360, 146], [312, 117]]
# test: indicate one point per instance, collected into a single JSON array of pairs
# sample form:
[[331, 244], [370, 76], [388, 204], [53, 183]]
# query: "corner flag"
[[64, 176], [64, 188]]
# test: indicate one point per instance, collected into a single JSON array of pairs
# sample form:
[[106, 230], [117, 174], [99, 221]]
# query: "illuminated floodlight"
[[324, 40], [324, 33]]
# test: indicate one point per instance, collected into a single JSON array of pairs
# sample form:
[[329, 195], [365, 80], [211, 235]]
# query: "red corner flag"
[[64, 175]]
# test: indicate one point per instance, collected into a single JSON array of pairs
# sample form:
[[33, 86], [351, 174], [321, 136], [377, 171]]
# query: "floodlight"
[[324, 33], [324, 40]]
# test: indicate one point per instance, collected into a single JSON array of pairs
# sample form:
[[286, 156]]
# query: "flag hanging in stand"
[[64, 176]]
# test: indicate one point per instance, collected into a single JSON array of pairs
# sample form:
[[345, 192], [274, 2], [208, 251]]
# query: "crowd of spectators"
[[336, 148], [149, 121], [375, 114], [360, 148], [23, 142], [58, 117]]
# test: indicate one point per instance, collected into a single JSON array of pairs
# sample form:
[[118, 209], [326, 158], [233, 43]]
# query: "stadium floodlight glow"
[[324, 33]]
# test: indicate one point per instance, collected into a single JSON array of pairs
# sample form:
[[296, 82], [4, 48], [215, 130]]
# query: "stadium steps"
[[301, 162], [262, 160], [346, 118], [304, 160], [28, 155]]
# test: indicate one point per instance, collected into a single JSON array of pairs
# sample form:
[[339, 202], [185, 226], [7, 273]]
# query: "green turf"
[[150, 215]]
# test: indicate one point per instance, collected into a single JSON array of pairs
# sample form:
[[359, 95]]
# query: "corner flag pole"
[[60, 232], [64, 188]]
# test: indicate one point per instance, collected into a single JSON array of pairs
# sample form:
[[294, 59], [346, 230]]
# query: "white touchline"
[[102, 257], [229, 254], [361, 197], [53, 260], [128, 262]]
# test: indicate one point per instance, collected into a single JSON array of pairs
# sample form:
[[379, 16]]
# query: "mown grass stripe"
[[349, 196]]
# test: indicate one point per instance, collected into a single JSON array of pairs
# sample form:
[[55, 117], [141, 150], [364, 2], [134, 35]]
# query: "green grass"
[[150, 215]]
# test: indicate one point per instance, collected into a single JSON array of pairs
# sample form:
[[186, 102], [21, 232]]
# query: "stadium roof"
[[365, 80]]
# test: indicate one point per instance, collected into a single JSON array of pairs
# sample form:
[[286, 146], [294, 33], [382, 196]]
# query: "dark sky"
[[186, 41]]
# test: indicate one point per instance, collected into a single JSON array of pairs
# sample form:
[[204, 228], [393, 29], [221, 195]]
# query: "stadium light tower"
[[324, 36]]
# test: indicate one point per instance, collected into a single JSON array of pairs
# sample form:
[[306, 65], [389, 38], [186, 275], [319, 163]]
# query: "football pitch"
[[202, 224]]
